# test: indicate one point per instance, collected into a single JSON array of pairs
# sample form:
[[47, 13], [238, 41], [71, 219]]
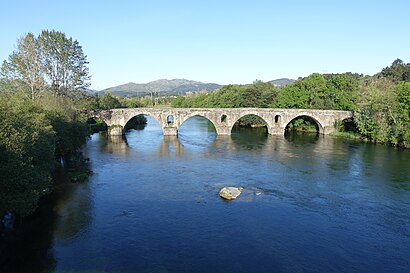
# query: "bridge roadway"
[[170, 119]]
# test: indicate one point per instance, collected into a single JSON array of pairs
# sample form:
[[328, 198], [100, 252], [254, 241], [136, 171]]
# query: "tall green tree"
[[51, 62], [398, 71], [25, 65], [108, 101], [342, 92], [64, 63]]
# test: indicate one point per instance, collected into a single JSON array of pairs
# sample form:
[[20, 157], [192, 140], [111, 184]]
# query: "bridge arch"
[[265, 119], [145, 113], [319, 123], [198, 115]]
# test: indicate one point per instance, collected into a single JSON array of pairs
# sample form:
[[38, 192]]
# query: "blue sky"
[[218, 41]]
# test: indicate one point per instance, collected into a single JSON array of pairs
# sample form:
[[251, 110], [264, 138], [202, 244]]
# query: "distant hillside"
[[282, 82], [161, 88]]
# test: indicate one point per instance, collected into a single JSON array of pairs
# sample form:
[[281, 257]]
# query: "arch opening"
[[250, 131], [137, 122], [277, 118], [143, 131], [346, 125], [197, 125], [303, 124], [250, 121], [96, 125], [223, 118]]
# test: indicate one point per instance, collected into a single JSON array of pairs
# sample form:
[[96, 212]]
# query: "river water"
[[310, 204]]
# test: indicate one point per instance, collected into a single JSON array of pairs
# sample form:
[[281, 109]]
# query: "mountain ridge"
[[165, 87], [161, 87]]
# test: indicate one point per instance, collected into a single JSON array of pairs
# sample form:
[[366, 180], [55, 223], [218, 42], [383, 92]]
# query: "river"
[[310, 204]]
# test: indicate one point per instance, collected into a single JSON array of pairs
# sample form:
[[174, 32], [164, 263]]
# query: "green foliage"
[[258, 94], [108, 101], [402, 92], [36, 125], [96, 125], [63, 63], [49, 63], [32, 135], [27, 154], [303, 124], [398, 71], [335, 91], [251, 121], [383, 112]]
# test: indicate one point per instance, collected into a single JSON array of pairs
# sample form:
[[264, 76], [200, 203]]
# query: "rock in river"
[[230, 193]]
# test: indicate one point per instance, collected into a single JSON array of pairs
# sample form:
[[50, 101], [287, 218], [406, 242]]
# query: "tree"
[[342, 92], [64, 63], [25, 65], [398, 71], [50, 62], [402, 92], [108, 101]]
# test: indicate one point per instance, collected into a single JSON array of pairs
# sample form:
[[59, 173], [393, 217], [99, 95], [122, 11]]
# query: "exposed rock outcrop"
[[230, 193]]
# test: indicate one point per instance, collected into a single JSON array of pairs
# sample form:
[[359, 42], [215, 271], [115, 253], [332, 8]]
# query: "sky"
[[225, 42]]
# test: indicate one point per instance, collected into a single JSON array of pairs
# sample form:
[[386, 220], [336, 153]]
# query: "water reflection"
[[73, 210], [62, 216], [171, 147]]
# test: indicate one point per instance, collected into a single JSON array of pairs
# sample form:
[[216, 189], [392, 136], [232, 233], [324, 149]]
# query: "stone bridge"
[[170, 119]]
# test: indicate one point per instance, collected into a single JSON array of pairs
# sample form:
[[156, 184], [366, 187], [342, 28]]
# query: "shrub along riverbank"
[[34, 136]]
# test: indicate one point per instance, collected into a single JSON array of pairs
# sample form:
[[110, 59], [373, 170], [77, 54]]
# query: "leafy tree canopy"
[[49, 63]]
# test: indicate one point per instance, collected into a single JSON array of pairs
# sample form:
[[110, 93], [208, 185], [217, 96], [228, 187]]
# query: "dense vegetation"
[[41, 83]]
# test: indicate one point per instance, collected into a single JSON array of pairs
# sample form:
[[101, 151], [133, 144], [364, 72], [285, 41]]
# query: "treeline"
[[336, 91], [381, 103], [42, 84], [109, 101]]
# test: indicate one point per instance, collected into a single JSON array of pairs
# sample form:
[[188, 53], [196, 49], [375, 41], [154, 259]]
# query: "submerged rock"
[[230, 193]]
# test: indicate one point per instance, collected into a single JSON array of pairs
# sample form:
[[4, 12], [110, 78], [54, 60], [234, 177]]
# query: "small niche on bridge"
[[96, 125], [170, 119], [277, 119], [223, 118]]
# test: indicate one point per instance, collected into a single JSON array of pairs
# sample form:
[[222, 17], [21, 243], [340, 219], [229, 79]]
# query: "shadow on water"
[[301, 138], [249, 138], [62, 215]]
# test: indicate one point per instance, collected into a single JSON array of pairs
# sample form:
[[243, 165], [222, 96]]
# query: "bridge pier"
[[328, 130], [223, 130], [170, 131], [115, 130], [277, 131]]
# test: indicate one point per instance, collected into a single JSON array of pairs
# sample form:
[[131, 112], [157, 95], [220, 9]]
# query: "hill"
[[282, 82], [160, 88]]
